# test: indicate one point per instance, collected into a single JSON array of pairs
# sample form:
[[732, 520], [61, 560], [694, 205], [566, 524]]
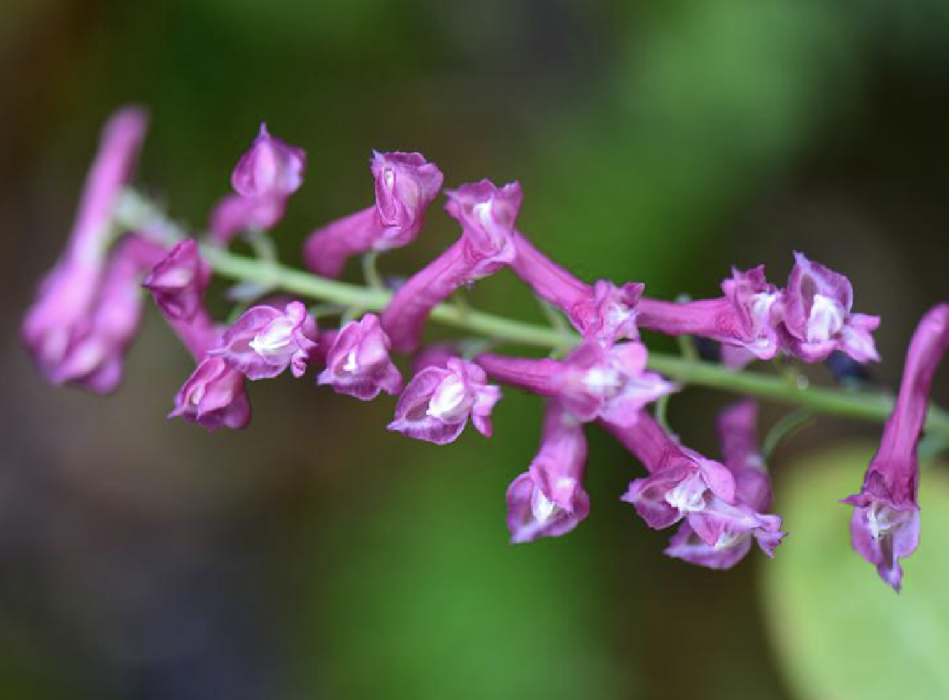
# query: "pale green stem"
[[861, 405]]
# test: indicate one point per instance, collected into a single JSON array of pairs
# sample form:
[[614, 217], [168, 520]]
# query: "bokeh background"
[[315, 555]]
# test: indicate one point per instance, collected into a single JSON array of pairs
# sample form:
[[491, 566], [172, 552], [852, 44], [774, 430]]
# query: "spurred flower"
[[97, 342], [486, 214], [548, 500], [68, 291], [214, 397], [358, 363], [405, 185], [264, 341], [745, 521], [817, 316], [592, 382], [744, 318], [436, 404], [603, 312], [179, 281], [885, 525], [264, 178]]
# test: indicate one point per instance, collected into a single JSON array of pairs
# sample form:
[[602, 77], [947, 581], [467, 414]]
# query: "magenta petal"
[[213, 397], [358, 363], [179, 281]]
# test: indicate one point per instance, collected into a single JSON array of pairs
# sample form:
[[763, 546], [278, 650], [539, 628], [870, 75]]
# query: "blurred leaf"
[[420, 595], [841, 633]]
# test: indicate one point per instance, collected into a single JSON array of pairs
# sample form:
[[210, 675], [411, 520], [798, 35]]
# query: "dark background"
[[317, 555]]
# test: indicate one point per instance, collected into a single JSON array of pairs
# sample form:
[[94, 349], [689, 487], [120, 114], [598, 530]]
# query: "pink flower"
[[603, 312], [486, 214], [264, 178], [270, 168], [685, 486], [179, 281], [817, 316], [592, 382], [213, 397], [68, 291], [264, 341], [95, 344], [885, 525], [405, 186], [744, 318], [358, 363], [745, 521], [548, 500], [436, 404]]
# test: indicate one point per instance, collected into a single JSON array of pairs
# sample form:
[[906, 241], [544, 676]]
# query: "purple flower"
[[602, 312], [405, 185], [885, 525], [592, 382], [436, 404], [486, 214], [264, 178], [358, 363], [270, 168], [96, 343], [745, 317], [214, 397], [71, 287], [817, 316], [548, 500], [264, 341], [179, 281], [745, 521]]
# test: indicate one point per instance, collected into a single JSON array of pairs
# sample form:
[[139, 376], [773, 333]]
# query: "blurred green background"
[[315, 555]]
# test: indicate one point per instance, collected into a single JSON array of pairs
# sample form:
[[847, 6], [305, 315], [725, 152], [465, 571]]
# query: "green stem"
[[861, 405]]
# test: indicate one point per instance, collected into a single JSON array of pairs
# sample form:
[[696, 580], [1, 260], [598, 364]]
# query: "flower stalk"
[[136, 212]]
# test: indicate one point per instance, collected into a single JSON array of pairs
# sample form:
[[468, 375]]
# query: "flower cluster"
[[87, 310]]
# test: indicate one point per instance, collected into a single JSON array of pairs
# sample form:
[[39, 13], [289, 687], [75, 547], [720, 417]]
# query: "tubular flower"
[[405, 185], [744, 521], [548, 500], [603, 312], [592, 382], [179, 281], [358, 363], [264, 178], [436, 404], [214, 397], [486, 214], [682, 484], [264, 341], [97, 343], [885, 525], [70, 288], [817, 317], [744, 318]]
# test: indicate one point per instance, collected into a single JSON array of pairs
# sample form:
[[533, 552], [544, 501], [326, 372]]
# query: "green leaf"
[[840, 632]]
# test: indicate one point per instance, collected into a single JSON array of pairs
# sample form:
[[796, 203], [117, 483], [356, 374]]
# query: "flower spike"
[[885, 525]]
